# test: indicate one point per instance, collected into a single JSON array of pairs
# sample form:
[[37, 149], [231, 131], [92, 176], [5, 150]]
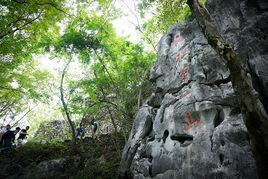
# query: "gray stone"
[[198, 130], [54, 168], [245, 24], [52, 130], [140, 129]]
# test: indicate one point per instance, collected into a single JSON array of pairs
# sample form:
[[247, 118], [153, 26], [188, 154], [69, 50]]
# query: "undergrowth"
[[99, 157]]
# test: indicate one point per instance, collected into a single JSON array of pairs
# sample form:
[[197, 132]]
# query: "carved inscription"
[[184, 94], [181, 54], [192, 122], [181, 66], [177, 38], [183, 73], [179, 41]]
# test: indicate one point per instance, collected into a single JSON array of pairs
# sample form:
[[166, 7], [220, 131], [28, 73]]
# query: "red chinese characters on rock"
[[183, 73], [183, 69], [177, 38], [181, 55], [191, 122], [184, 94]]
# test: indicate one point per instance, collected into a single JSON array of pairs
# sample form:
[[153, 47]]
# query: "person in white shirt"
[[94, 127], [23, 135]]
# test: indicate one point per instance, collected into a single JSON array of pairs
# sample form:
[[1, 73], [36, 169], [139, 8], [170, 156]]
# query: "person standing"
[[8, 138], [79, 132], [23, 135], [17, 130], [94, 127], [2, 132]]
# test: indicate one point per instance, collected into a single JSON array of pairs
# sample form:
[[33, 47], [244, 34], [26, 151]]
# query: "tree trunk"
[[30, 109], [65, 105], [112, 119], [139, 98], [107, 107], [255, 117]]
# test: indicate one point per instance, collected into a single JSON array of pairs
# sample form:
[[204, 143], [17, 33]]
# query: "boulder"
[[55, 168]]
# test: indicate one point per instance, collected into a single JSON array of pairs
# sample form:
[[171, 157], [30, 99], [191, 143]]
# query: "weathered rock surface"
[[191, 126], [244, 23], [55, 168], [52, 130]]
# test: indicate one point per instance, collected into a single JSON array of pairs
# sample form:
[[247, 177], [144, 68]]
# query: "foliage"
[[34, 152], [20, 85], [98, 159], [114, 69], [53, 130], [25, 25], [101, 159], [164, 13], [167, 13], [39, 115]]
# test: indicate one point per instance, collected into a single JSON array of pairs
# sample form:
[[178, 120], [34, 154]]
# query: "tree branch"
[[64, 103], [21, 27], [11, 89], [41, 4], [30, 109]]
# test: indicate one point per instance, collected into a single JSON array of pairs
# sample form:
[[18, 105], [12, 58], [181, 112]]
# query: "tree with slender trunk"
[[64, 105], [254, 114]]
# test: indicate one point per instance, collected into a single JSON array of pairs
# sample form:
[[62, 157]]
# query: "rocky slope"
[[191, 126], [98, 158]]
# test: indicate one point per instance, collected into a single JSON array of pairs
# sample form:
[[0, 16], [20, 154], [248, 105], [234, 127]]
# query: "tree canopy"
[[110, 70], [24, 25]]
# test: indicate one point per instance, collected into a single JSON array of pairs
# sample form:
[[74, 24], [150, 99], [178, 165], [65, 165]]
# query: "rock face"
[[55, 168], [191, 126], [244, 23], [52, 130]]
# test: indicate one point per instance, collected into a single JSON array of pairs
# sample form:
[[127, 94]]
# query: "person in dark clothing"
[[79, 132], [23, 135], [8, 138], [4, 129], [17, 130]]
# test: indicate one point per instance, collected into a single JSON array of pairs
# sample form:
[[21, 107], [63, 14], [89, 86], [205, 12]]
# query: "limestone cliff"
[[191, 126]]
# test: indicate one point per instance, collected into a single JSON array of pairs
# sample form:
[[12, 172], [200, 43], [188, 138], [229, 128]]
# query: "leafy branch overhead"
[[113, 67], [110, 70]]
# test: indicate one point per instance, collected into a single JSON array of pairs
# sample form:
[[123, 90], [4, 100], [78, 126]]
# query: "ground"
[[98, 158]]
